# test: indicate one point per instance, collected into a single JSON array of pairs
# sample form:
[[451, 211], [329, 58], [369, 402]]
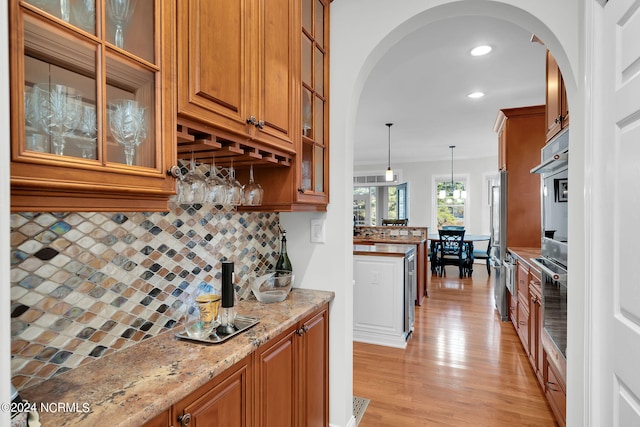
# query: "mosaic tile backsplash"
[[84, 285]]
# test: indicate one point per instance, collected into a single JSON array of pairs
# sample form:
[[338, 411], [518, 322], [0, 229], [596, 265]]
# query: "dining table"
[[469, 240]]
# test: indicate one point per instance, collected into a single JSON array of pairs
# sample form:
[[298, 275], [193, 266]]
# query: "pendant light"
[[389, 174], [453, 193]]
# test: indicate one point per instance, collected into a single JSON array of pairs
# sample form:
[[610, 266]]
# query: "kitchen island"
[[383, 301], [401, 235], [142, 382]]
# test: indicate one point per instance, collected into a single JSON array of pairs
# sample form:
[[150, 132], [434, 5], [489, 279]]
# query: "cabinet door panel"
[[315, 371], [275, 378], [275, 94], [213, 61], [226, 402]]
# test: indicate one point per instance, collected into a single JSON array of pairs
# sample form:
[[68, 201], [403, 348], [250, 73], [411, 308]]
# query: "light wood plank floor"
[[462, 367]]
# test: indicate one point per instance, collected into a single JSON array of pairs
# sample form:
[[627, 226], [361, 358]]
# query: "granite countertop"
[[524, 254], [383, 249], [401, 240], [133, 385]]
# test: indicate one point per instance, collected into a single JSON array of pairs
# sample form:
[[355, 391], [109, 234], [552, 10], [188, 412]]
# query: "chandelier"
[[452, 193]]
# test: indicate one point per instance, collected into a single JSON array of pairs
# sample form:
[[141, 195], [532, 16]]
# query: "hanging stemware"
[[216, 187], [252, 192], [234, 194]]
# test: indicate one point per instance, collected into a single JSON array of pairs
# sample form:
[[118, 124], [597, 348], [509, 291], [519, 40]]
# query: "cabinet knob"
[[185, 419], [252, 120], [302, 330], [260, 124], [300, 190], [551, 386], [174, 171]]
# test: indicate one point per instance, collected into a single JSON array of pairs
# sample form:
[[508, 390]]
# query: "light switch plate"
[[318, 232]]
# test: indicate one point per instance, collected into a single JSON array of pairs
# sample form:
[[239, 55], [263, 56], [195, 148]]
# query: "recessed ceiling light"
[[480, 50], [476, 95]]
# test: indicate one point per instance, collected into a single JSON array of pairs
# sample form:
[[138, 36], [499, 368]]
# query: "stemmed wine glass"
[[252, 192], [216, 187], [59, 112], [89, 130], [234, 189], [127, 122], [120, 12]]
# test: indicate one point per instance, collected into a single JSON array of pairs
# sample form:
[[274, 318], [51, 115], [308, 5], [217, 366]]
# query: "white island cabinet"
[[384, 280]]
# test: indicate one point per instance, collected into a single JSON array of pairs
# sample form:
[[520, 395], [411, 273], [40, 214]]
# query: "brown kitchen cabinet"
[[521, 136], [161, 420], [225, 401], [237, 67], [292, 376], [557, 106], [535, 324], [92, 128], [262, 100], [556, 393]]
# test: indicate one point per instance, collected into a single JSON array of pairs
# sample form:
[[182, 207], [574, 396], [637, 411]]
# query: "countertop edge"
[[133, 385]]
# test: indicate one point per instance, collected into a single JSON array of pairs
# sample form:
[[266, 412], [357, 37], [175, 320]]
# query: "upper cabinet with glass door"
[[315, 101], [89, 131]]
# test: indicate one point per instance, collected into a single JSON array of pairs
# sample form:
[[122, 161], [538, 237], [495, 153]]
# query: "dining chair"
[[484, 254], [451, 251], [404, 221], [452, 227]]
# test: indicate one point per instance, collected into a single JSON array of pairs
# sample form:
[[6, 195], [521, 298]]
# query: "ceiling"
[[421, 85]]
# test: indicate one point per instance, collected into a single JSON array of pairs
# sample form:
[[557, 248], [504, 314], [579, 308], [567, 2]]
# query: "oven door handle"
[[555, 275]]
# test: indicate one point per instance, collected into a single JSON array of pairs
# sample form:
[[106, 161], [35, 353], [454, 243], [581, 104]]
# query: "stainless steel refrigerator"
[[498, 253]]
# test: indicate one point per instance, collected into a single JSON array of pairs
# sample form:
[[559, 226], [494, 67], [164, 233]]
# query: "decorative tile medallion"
[[87, 284]]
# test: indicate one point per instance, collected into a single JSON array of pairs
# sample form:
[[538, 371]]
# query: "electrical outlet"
[[318, 232]]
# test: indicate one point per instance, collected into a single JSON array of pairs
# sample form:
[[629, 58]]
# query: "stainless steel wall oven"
[[554, 248]]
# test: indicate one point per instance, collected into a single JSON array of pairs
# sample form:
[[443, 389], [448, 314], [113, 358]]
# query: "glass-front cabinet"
[[314, 65], [88, 86]]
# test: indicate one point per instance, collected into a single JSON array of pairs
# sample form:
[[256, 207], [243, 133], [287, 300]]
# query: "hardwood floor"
[[462, 367]]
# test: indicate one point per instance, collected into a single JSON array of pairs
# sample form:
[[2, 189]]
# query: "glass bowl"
[[272, 286]]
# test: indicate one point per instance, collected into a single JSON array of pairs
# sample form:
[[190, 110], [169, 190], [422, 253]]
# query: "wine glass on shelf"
[[59, 112], [120, 12], [252, 192], [127, 122], [83, 14], [88, 128]]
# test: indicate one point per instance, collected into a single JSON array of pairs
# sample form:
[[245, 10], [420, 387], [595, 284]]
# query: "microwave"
[[555, 197]]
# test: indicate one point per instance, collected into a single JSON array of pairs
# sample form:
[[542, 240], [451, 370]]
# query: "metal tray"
[[242, 324]]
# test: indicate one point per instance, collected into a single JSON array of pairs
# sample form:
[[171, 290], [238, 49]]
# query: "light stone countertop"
[[131, 386]]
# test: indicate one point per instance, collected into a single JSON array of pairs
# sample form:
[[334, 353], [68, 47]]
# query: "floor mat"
[[359, 406]]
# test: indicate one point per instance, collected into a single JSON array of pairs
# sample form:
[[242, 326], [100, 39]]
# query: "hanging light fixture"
[[389, 174], [452, 193]]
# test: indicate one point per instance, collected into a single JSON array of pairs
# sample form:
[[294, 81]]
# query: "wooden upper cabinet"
[[252, 89], [557, 112], [236, 67], [89, 127]]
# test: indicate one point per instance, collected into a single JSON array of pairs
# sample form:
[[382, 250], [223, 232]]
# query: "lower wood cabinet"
[[292, 376], [283, 383], [555, 392], [225, 401], [526, 314]]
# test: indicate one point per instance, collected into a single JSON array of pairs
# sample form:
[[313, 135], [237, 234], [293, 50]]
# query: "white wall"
[[421, 176]]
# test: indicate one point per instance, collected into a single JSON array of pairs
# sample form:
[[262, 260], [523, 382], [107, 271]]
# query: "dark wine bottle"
[[283, 264]]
